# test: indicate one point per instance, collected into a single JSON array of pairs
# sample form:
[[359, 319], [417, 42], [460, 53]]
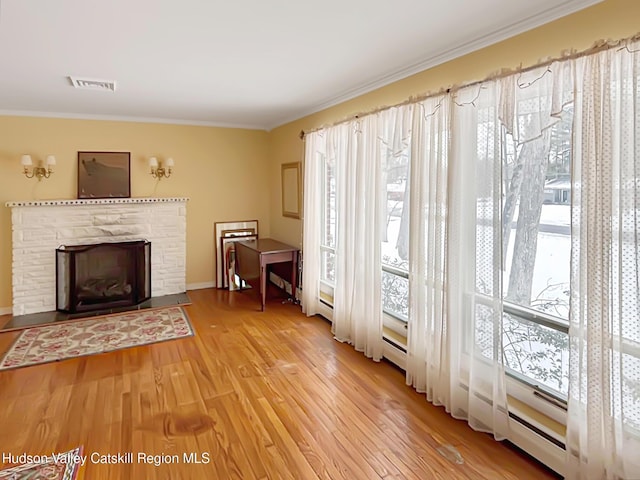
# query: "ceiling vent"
[[93, 84]]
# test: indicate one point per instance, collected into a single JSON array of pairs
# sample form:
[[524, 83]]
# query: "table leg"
[[294, 276], [263, 284]]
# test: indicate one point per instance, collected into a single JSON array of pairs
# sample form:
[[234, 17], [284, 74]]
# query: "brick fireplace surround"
[[39, 227]]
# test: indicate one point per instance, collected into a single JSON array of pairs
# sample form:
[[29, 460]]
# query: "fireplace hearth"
[[101, 276]]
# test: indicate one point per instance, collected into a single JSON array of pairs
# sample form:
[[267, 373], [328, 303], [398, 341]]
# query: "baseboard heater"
[[538, 431], [394, 344]]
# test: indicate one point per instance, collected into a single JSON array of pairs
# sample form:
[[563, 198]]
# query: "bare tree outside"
[[533, 160], [532, 172]]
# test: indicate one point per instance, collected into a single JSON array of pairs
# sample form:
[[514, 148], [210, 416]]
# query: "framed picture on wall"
[[104, 175], [291, 190]]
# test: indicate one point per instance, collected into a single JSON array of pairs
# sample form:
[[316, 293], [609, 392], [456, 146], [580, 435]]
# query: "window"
[[395, 240], [328, 241], [536, 219]]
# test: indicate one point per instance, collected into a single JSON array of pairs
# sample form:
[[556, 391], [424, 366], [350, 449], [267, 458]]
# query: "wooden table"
[[254, 256]]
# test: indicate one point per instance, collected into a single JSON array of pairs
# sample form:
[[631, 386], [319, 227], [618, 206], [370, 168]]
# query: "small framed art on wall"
[[104, 175]]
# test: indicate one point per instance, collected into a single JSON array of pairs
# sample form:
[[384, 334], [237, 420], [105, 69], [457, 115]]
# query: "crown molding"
[[120, 118]]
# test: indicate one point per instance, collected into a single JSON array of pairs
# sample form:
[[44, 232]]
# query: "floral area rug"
[[96, 335], [58, 466]]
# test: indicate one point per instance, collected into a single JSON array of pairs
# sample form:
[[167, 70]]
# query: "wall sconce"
[[38, 171], [157, 170]]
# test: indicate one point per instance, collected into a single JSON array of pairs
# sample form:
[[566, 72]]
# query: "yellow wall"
[[221, 170], [611, 19]]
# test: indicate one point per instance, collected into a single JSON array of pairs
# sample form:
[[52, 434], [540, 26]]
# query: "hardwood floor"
[[260, 395]]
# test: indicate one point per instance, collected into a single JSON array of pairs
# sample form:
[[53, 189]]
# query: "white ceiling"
[[247, 63]]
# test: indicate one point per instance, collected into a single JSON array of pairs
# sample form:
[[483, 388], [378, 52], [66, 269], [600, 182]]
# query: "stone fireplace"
[[42, 227]]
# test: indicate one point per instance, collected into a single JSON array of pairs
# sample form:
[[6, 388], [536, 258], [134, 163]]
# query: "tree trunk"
[[535, 159], [403, 234], [512, 194]]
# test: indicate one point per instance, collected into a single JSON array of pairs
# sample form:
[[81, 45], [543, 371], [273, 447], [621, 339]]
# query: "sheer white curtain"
[[357, 311], [474, 258], [603, 439], [315, 150], [461, 145], [497, 128], [428, 347]]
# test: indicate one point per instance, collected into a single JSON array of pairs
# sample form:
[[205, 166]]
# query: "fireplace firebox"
[[102, 276]]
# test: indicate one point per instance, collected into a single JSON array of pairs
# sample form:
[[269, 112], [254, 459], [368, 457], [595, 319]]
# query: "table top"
[[267, 245]]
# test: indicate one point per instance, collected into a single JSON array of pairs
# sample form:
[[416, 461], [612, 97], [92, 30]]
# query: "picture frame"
[[291, 190], [241, 228], [227, 245], [104, 175]]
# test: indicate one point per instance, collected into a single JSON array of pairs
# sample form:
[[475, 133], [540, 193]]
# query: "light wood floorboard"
[[268, 395]]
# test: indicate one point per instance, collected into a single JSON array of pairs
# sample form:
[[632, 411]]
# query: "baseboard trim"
[[201, 285]]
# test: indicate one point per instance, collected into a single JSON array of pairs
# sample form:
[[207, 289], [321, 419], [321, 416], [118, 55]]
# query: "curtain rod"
[[598, 46]]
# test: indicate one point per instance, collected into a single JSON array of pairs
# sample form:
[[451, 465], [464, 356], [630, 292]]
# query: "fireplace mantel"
[[94, 201], [39, 227]]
